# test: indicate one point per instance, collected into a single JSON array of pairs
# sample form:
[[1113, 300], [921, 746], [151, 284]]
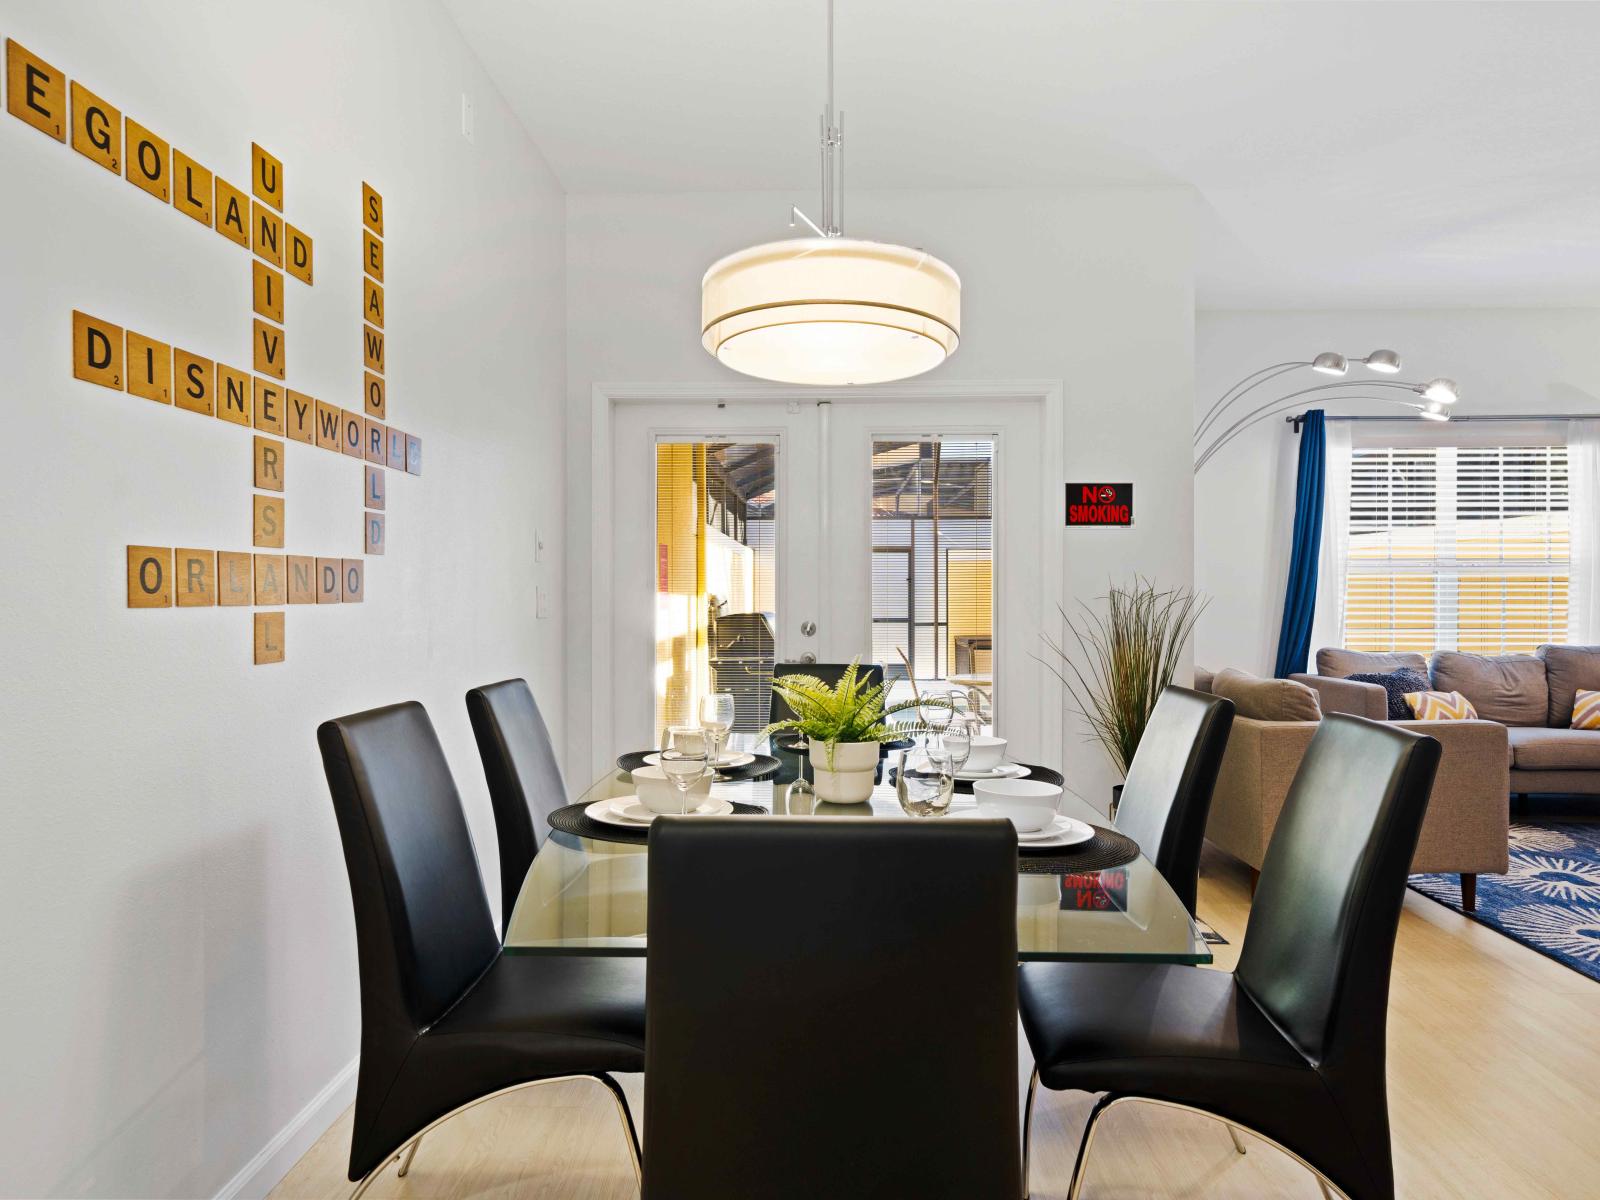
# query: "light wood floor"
[[1494, 1091]]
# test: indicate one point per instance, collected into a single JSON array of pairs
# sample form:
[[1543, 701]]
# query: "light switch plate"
[[541, 604]]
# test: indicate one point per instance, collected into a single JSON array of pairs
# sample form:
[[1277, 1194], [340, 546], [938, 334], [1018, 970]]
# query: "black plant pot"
[[1116, 802]]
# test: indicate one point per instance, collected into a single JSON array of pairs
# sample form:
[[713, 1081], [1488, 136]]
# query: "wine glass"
[[684, 760], [925, 785], [957, 743], [936, 714], [717, 715]]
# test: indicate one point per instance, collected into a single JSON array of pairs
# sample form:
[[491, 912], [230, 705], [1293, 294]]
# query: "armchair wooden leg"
[[1469, 892]]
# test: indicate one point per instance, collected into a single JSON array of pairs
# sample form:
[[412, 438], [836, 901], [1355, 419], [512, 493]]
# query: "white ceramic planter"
[[849, 781]]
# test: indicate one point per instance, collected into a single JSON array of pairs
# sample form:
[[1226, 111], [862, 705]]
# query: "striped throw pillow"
[[1441, 706], [1586, 710]]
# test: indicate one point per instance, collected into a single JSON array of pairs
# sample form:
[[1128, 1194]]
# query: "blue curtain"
[[1300, 593]]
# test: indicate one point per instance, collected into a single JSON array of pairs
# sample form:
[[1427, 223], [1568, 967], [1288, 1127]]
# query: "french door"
[[748, 533]]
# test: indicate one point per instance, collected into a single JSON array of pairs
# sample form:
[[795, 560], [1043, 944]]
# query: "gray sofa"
[[1530, 694]]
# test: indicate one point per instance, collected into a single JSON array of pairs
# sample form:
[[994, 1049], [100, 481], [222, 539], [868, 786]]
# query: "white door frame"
[[605, 396]]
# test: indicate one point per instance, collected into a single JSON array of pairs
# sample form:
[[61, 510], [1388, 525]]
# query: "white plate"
[[1063, 831], [734, 759], [630, 812], [1003, 771]]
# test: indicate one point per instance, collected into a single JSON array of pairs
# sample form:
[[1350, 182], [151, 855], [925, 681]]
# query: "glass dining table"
[[588, 896]]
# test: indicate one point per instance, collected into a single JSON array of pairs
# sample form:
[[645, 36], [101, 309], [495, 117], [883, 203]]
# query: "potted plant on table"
[[1125, 659], [843, 726]]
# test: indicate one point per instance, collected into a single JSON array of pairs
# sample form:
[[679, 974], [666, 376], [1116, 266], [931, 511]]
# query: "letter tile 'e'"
[[268, 637], [196, 578], [146, 165], [149, 368], [96, 129], [194, 188], [268, 522], [36, 92], [269, 407], [149, 577], [97, 350], [196, 381], [233, 578], [302, 579], [372, 255]]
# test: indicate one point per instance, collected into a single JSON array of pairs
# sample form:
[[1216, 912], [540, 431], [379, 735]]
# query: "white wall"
[[1505, 360], [178, 949], [1094, 288]]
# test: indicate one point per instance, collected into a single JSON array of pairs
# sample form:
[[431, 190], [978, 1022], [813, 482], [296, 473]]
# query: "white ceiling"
[[1345, 153]]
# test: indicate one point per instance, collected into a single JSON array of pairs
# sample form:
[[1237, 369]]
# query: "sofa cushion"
[[1440, 706], [1566, 669], [1509, 688], [1333, 661], [1203, 679], [1586, 710], [1266, 699], [1554, 749], [1395, 685]]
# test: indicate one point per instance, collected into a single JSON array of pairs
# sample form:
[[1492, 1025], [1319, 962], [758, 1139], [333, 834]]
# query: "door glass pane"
[[715, 578], [933, 562]]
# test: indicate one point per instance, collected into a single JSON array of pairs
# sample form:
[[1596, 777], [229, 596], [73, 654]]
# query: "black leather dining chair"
[[1167, 795], [1291, 1045], [525, 785], [447, 1019], [828, 1009]]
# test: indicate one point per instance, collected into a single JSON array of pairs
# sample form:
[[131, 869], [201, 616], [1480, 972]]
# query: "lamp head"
[[1385, 362], [1330, 363], [1434, 412], [1441, 391]]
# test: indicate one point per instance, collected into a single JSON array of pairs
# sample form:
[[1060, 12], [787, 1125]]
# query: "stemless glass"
[[685, 760], [717, 715], [924, 785]]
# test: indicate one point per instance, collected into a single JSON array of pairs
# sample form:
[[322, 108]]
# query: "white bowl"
[[1028, 804], [660, 795], [987, 753]]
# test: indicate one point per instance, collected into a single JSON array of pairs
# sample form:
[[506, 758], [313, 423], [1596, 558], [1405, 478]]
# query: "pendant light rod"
[[830, 161]]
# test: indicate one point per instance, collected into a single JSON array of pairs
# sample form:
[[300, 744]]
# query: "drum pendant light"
[[830, 310]]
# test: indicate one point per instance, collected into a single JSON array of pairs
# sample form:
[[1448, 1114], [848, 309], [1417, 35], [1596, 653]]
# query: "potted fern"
[[847, 722]]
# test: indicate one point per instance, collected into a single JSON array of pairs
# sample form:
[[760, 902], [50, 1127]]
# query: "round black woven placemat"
[[1042, 774], [572, 820], [764, 766], [1105, 850]]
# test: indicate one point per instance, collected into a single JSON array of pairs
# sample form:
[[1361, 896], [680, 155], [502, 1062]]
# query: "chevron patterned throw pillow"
[[1586, 710], [1442, 706]]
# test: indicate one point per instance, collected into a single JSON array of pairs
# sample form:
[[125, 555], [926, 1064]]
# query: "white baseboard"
[[272, 1162]]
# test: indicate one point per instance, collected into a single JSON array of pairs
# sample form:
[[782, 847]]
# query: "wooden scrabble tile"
[[192, 187], [372, 209], [266, 233], [352, 433], [302, 571], [328, 585], [268, 522], [36, 92], [377, 404], [372, 532], [330, 423], [272, 585], [352, 581], [149, 577], [231, 211], [266, 291], [372, 255], [300, 418], [269, 349], [372, 348], [195, 379], [268, 637], [233, 578], [397, 450], [372, 306], [266, 177], [195, 577], [300, 253], [146, 165], [269, 407], [268, 459], [96, 129], [372, 497], [97, 350], [375, 434], [233, 395], [149, 368], [413, 455]]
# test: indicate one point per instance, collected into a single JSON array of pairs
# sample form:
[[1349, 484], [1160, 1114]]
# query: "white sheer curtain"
[[1327, 625], [1583, 475]]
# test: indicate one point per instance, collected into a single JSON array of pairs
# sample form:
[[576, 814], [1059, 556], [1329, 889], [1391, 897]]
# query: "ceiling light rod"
[[831, 153]]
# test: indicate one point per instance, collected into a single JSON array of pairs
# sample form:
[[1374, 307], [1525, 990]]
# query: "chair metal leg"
[[1323, 1184], [1075, 1188], [1234, 1134], [405, 1163], [621, 1099], [1027, 1130]]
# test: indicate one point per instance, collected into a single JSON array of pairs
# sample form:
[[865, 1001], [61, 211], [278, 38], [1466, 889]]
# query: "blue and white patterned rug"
[[1549, 899]]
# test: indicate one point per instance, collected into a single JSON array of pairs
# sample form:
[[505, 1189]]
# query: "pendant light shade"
[[830, 311]]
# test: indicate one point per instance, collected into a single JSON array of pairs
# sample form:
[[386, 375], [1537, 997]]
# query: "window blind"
[[1458, 548]]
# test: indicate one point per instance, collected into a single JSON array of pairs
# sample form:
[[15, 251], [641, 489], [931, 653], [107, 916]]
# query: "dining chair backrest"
[[525, 785], [1167, 795], [829, 673], [1320, 943], [830, 1009], [424, 932]]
